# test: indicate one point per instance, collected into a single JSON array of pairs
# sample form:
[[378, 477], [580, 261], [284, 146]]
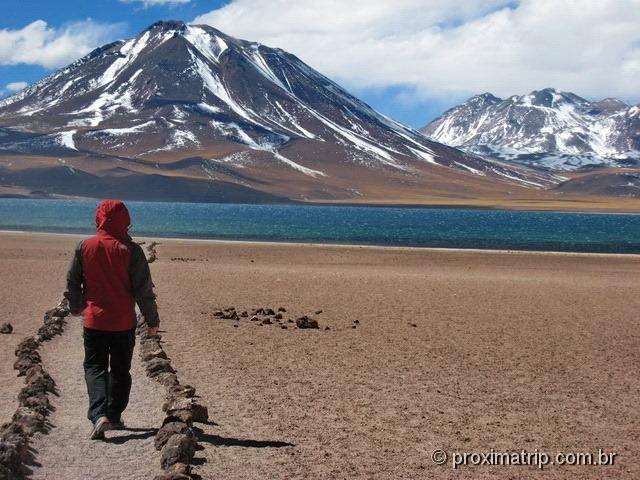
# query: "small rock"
[[327, 328], [10, 459], [357, 322], [30, 420], [177, 471], [282, 309], [218, 313], [266, 321], [6, 328], [244, 314], [413, 324], [318, 312], [284, 327], [39, 404], [29, 344], [290, 321], [158, 365], [151, 354], [25, 362], [187, 410], [306, 322], [268, 311], [186, 391], [37, 376], [278, 316], [168, 379], [254, 319], [169, 429], [31, 390], [235, 325], [179, 448]]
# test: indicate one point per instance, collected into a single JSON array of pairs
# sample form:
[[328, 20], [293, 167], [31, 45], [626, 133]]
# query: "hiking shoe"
[[100, 426]]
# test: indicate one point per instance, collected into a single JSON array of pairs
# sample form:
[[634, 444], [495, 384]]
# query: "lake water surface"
[[423, 227]]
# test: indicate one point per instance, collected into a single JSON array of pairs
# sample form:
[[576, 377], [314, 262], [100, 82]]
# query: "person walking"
[[108, 275]]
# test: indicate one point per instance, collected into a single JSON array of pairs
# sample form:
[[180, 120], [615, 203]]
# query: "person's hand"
[[152, 331]]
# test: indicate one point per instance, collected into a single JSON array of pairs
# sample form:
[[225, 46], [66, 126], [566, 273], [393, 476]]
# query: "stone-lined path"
[[66, 451]]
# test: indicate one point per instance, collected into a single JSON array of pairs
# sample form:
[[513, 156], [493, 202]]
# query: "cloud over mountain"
[[40, 44], [450, 48]]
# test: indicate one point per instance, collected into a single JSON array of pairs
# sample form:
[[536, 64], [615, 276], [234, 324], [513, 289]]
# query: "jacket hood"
[[113, 218]]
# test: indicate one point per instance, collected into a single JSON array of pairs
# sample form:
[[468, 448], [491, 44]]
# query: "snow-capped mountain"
[[548, 128], [187, 108]]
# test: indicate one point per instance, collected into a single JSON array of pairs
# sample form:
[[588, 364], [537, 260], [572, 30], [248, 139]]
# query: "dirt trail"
[[66, 451]]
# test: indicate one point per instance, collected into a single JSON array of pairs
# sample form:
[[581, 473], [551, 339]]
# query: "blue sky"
[[410, 59]]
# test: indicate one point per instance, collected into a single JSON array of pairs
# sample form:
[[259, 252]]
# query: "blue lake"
[[423, 227]]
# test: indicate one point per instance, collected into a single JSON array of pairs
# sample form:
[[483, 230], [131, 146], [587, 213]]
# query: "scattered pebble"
[[6, 328]]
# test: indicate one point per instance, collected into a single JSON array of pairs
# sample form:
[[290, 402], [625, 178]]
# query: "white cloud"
[[40, 44], [16, 86], [590, 47], [11, 88], [152, 3]]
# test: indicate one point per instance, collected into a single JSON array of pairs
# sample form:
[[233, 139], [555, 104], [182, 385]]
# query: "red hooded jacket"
[[109, 274]]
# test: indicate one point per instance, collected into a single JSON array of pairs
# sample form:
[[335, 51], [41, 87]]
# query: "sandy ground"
[[66, 452], [509, 352]]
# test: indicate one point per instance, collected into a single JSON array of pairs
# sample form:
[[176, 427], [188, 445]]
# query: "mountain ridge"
[[545, 128], [186, 108]]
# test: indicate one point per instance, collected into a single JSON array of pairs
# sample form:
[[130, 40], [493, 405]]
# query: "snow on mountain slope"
[[183, 91], [556, 130]]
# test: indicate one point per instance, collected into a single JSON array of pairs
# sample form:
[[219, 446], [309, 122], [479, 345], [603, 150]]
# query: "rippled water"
[[426, 227]]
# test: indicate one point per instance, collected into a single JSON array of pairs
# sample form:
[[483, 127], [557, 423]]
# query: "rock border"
[[153, 254], [33, 400], [176, 438]]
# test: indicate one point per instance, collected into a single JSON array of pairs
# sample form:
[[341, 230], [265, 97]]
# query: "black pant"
[[108, 388]]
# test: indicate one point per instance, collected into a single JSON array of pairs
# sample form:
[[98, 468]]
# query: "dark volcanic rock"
[[318, 312], [185, 391], [168, 379], [282, 309], [306, 322], [268, 311], [30, 420], [151, 354], [179, 448], [39, 403], [156, 366], [6, 328], [266, 321], [168, 430], [25, 361], [186, 409], [38, 377], [27, 345]]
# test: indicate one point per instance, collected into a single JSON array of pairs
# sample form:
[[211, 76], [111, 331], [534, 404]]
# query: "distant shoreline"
[[330, 245]]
